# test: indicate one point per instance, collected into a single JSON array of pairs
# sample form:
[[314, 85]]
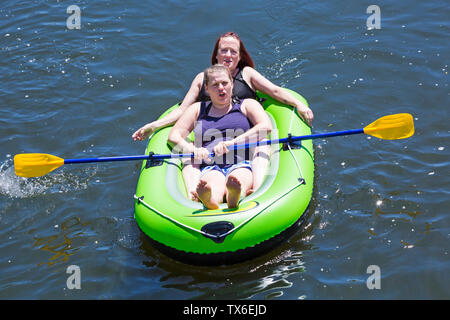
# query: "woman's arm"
[[183, 128], [259, 82], [145, 131]]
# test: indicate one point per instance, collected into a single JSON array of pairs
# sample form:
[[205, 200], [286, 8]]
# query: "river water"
[[377, 204]]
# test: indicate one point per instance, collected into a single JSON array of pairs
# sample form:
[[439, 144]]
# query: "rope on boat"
[[296, 162], [289, 146]]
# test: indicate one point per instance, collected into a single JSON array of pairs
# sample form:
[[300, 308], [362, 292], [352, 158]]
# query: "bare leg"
[[211, 189], [191, 176], [239, 182], [260, 162]]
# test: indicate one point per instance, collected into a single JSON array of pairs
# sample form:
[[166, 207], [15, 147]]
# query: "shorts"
[[227, 169]]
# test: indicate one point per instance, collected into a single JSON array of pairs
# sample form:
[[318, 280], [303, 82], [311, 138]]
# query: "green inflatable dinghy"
[[185, 230]]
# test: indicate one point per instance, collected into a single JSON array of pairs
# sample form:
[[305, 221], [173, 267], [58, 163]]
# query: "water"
[[82, 93]]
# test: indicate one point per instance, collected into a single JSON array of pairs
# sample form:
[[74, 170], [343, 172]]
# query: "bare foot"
[[194, 196], [249, 192], [204, 195], [234, 192]]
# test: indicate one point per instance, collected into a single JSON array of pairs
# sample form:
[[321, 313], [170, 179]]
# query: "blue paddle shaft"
[[268, 142], [235, 147], [298, 138], [106, 159]]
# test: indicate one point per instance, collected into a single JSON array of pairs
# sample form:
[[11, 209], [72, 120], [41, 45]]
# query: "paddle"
[[391, 127]]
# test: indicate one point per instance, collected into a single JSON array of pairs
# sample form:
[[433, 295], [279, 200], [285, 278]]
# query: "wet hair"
[[213, 69], [245, 59]]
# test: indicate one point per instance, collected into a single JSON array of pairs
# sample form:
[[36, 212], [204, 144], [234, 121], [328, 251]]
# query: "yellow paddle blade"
[[35, 164], [394, 126]]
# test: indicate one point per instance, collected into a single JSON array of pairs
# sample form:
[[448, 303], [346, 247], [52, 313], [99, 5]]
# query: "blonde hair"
[[213, 69]]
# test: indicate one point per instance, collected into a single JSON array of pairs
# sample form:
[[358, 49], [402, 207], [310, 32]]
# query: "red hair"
[[245, 59]]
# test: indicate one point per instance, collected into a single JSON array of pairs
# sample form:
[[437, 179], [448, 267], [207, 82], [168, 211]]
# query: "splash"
[[14, 186]]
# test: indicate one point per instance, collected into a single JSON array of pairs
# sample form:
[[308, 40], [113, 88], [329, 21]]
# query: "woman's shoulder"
[[199, 77], [250, 72], [251, 76], [250, 104], [195, 106], [247, 69], [193, 109]]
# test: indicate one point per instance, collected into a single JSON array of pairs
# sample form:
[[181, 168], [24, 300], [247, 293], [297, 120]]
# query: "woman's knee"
[[243, 175]]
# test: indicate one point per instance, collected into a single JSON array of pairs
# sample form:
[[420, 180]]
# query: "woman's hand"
[[306, 113], [144, 132], [221, 148], [200, 154]]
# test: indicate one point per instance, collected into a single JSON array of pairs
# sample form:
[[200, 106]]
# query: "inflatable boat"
[[185, 230]]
